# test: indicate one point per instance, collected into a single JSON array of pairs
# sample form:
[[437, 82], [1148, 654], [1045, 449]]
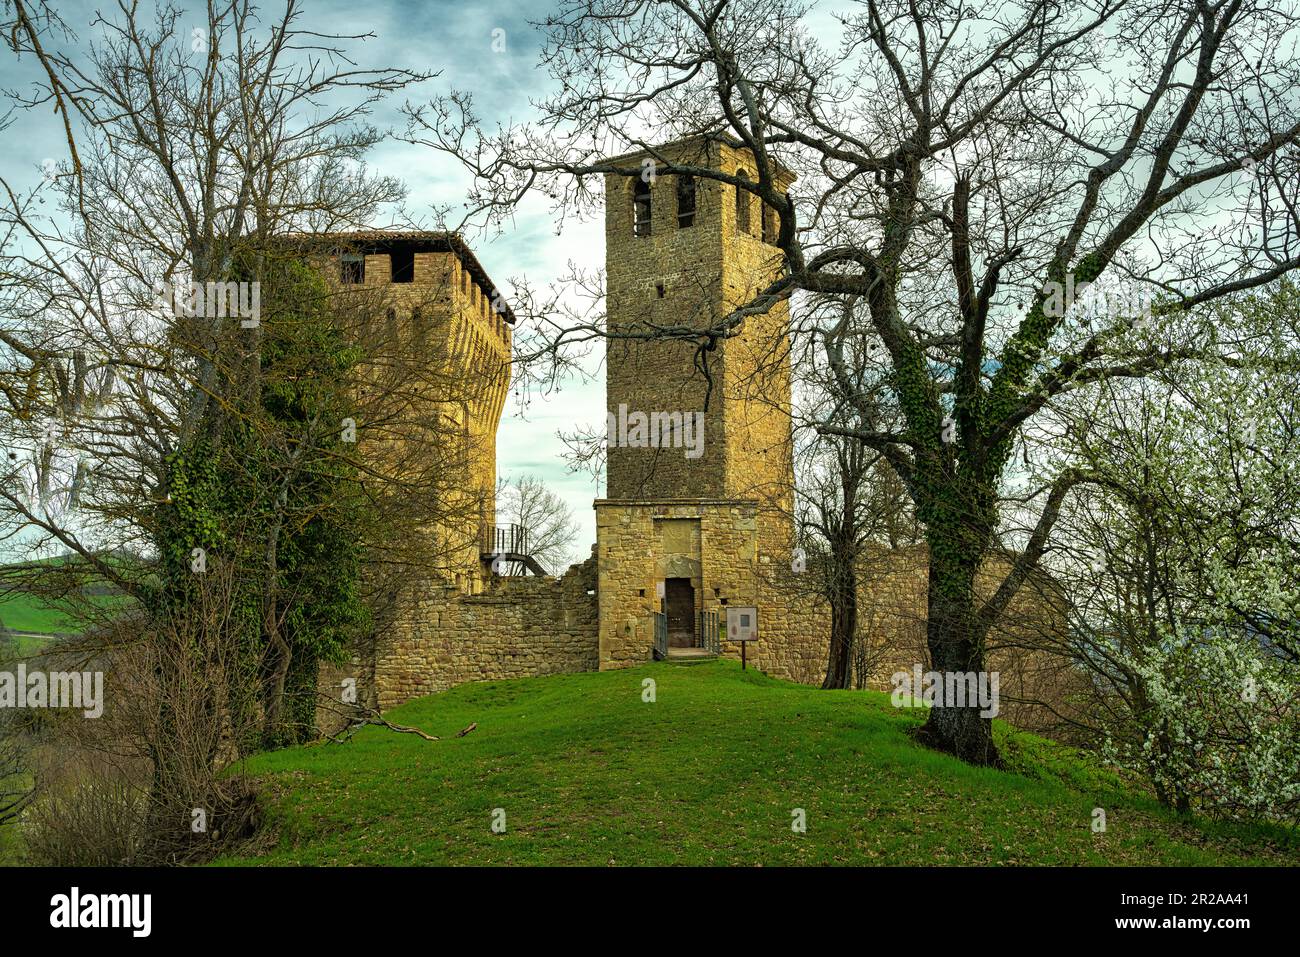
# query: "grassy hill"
[[21, 611], [36, 619], [24, 612], [587, 773]]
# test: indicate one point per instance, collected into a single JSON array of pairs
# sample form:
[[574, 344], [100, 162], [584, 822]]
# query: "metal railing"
[[708, 633], [661, 635], [505, 540]]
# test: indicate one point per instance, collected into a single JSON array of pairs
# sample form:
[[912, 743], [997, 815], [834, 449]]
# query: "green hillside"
[[710, 773], [20, 611], [24, 612]]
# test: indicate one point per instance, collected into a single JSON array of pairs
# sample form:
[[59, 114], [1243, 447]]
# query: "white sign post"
[[742, 626]]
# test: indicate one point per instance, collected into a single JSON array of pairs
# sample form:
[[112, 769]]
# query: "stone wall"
[[639, 544], [525, 627], [518, 628], [794, 623], [722, 547]]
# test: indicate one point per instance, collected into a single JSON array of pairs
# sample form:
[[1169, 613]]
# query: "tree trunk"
[[955, 646], [844, 614]]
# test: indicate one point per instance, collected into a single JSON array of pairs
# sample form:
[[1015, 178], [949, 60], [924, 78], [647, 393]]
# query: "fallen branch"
[[359, 717]]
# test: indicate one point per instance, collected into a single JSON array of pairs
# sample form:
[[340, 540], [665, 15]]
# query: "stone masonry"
[[718, 524]]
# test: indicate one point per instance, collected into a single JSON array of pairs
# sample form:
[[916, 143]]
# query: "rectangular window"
[[354, 268], [403, 265]]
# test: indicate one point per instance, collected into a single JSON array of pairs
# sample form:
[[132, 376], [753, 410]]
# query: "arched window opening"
[[742, 204], [685, 201], [640, 207]]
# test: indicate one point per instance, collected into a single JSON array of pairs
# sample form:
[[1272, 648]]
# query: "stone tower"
[[440, 334], [700, 483]]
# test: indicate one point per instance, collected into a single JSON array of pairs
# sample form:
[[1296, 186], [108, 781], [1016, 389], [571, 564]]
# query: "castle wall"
[[526, 627], [718, 545], [520, 628]]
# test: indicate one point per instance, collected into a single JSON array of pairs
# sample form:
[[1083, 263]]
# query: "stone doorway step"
[[690, 653]]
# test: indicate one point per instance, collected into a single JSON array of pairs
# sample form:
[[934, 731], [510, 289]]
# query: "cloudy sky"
[[455, 38]]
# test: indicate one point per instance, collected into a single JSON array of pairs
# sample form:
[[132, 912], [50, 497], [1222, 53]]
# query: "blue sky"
[[456, 39]]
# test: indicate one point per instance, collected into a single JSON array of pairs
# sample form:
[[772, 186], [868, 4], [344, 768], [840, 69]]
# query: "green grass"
[[25, 612], [21, 611], [710, 773]]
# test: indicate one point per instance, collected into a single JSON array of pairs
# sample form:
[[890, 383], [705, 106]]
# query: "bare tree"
[[16, 787], [204, 152], [525, 500], [963, 170], [843, 502]]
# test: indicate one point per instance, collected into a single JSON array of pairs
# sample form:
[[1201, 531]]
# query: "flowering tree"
[[1183, 566]]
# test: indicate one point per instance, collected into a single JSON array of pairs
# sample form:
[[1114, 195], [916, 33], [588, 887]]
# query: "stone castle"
[[700, 483]]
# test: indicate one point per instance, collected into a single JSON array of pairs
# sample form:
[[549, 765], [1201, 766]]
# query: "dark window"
[[742, 204], [404, 265], [640, 208], [685, 201], [354, 268], [659, 289]]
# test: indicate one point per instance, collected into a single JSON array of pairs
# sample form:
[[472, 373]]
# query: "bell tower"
[[681, 252], [700, 484]]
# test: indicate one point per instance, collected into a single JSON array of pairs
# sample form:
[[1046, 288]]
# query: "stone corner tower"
[[438, 374], [700, 484]]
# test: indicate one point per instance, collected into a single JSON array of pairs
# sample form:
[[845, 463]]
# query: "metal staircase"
[[503, 545]]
